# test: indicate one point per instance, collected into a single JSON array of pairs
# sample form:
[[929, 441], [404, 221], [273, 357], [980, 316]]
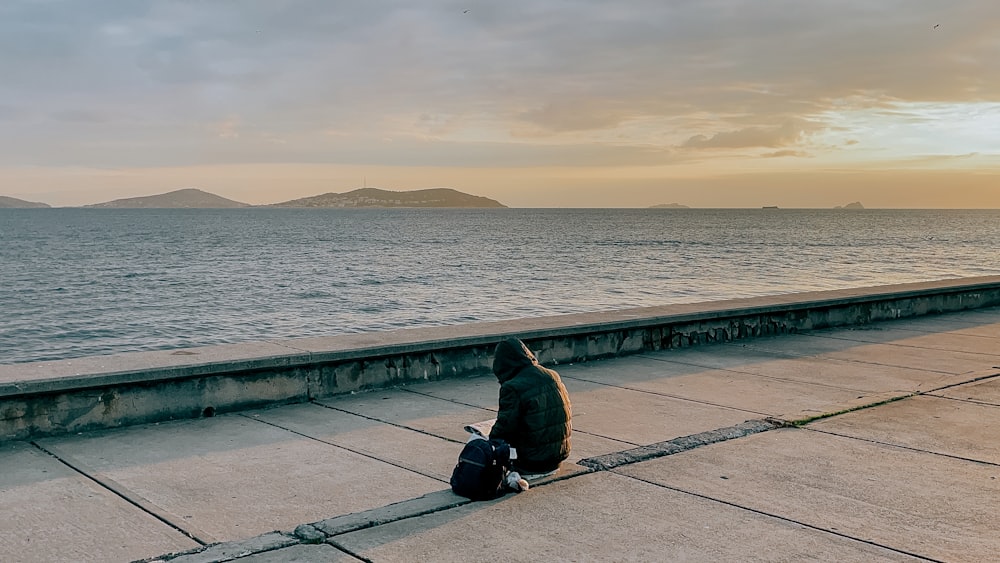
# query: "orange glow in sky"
[[728, 103]]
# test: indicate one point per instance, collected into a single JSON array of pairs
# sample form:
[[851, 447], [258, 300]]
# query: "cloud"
[[572, 116], [633, 80], [227, 129], [784, 135], [781, 153], [80, 116]]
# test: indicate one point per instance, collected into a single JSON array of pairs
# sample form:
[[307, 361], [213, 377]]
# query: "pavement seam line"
[[377, 520], [903, 345], [667, 395], [382, 421], [352, 450], [227, 551], [575, 431], [799, 355], [966, 401], [779, 517], [363, 523], [623, 387], [114, 490], [903, 447], [678, 445], [803, 421], [781, 355], [347, 551], [960, 383], [762, 376]]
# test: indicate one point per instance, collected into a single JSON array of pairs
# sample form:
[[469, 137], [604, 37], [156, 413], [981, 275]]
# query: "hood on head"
[[510, 357]]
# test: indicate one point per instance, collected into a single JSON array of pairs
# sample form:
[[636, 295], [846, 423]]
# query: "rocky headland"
[[375, 197], [14, 203], [188, 198]]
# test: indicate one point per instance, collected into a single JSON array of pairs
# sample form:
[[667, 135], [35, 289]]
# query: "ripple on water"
[[81, 282]]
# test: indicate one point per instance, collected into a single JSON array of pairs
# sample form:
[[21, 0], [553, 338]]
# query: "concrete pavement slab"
[[762, 395], [419, 452], [963, 323], [231, 477], [982, 314], [981, 322], [638, 373], [945, 361], [857, 376], [52, 513], [445, 418], [935, 506], [439, 417], [720, 356], [986, 391], [481, 391], [942, 340], [603, 517], [958, 363], [774, 362], [642, 418], [934, 424], [598, 426]]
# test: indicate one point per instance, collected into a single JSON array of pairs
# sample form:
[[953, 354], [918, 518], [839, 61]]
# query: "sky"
[[534, 103]]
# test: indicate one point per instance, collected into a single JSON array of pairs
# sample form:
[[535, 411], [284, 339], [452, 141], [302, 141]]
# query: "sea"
[[80, 282]]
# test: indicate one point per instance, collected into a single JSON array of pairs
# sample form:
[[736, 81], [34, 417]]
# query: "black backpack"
[[481, 469]]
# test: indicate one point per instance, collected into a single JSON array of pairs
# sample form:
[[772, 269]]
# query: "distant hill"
[[669, 206], [374, 197], [855, 205], [14, 203], [189, 198]]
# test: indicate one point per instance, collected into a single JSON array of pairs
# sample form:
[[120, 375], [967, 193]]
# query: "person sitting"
[[534, 414]]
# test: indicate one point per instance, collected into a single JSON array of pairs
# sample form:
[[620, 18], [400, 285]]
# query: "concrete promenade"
[[868, 443]]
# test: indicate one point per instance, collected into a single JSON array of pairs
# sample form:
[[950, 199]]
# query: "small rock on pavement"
[[308, 534]]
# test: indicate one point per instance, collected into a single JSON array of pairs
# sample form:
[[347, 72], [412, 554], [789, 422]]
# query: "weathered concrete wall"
[[48, 398]]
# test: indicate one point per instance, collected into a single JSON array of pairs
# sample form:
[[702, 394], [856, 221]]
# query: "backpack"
[[481, 468]]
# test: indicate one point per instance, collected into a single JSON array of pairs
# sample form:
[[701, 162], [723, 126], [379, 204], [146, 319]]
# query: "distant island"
[[855, 205], [374, 197], [189, 198], [14, 203], [669, 206]]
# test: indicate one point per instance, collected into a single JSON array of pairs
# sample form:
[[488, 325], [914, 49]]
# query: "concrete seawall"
[[51, 398]]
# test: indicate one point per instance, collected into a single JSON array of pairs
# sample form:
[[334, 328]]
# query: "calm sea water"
[[77, 282]]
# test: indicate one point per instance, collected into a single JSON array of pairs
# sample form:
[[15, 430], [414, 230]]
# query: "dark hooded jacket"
[[534, 414]]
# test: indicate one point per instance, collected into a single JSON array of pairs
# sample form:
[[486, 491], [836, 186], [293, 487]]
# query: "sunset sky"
[[535, 103]]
